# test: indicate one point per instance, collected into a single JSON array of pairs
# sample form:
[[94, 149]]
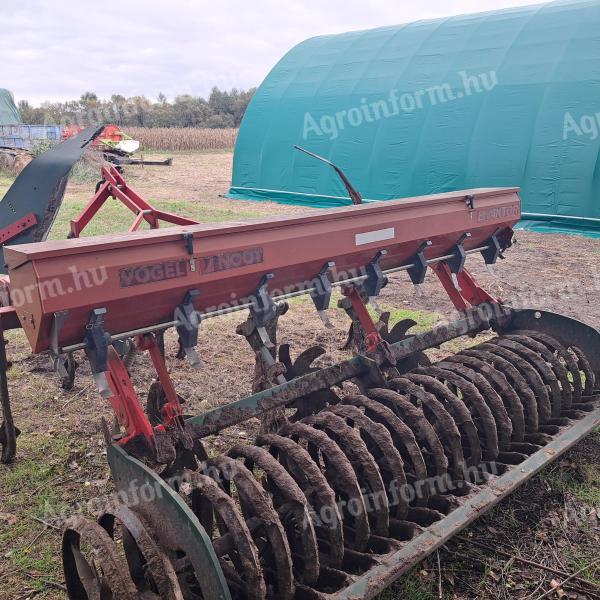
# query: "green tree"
[[222, 109]]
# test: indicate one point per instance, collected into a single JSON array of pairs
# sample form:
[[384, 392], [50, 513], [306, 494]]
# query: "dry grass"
[[183, 139], [14, 161]]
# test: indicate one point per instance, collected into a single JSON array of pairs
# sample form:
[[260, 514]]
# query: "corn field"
[[182, 138]]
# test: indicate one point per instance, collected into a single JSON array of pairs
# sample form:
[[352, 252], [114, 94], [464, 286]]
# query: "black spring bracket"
[[321, 294], [376, 280], [494, 249], [189, 320], [97, 341], [459, 256], [419, 269]]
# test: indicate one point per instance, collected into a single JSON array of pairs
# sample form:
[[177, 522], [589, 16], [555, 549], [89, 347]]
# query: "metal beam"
[[215, 420]]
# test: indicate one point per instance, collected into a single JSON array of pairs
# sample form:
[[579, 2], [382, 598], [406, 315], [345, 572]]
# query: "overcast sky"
[[56, 50]]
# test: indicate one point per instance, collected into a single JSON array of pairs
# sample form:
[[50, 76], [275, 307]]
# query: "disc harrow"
[[307, 509]]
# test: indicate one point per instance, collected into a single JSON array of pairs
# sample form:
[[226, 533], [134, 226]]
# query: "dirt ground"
[[61, 465]]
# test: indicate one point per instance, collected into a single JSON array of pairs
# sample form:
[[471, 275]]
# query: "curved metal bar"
[[162, 507]]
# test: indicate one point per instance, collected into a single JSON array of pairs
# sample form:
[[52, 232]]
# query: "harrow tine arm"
[[125, 402], [472, 291], [359, 312], [468, 293], [445, 276], [172, 410]]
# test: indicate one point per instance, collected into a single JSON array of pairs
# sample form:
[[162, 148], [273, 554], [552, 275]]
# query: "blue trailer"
[[26, 136]]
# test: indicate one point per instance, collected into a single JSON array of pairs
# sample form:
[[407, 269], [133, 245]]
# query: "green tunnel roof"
[[9, 114], [503, 98]]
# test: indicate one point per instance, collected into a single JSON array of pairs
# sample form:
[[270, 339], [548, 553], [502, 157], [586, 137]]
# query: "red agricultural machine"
[[116, 146], [361, 468]]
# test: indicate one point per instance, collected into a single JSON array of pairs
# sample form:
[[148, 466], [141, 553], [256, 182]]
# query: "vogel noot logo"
[[586, 125], [396, 103]]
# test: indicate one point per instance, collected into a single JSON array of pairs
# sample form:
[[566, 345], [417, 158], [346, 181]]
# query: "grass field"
[[61, 466]]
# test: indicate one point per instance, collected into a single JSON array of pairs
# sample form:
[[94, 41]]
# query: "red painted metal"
[[113, 185], [141, 278], [125, 402], [470, 292], [8, 314], [112, 133], [171, 411], [372, 337], [14, 229]]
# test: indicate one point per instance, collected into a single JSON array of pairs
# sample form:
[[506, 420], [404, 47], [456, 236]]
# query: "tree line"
[[221, 109]]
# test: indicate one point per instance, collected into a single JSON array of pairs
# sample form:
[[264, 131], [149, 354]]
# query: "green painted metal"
[[9, 113], [497, 99], [219, 418], [565, 329], [553, 224], [170, 518]]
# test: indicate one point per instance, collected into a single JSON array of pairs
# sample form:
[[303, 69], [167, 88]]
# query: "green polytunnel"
[[9, 114], [503, 98]]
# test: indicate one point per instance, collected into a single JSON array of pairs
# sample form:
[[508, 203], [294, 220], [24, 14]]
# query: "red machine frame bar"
[[113, 185]]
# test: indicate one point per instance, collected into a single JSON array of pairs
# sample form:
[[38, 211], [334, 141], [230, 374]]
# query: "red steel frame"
[[113, 185], [372, 337], [14, 229], [323, 237], [226, 261], [128, 407], [469, 293], [124, 399], [171, 411], [125, 402]]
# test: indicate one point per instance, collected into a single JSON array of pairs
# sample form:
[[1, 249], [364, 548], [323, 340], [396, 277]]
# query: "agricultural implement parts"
[[116, 146], [113, 185], [196, 270], [361, 468], [226, 262], [342, 498], [118, 160], [27, 213], [30, 206]]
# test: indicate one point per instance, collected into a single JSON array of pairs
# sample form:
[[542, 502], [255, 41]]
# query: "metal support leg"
[[125, 402], [8, 431], [364, 331], [171, 409], [469, 294], [364, 327], [267, 372]]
